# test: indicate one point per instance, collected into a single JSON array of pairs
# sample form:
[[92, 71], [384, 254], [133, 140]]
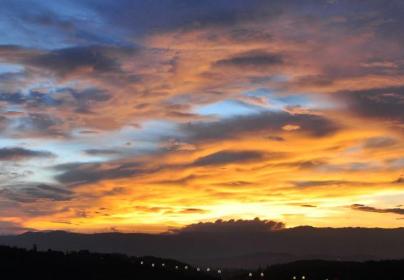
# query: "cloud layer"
[[140, 116]]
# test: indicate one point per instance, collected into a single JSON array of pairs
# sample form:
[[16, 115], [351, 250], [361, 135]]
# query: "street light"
[[262, 274]]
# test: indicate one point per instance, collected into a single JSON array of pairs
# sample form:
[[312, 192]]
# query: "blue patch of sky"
[[226, 108], [234, 107], [10, 68]]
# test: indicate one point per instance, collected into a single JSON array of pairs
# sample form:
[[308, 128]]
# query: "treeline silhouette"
[[16, 263], [331, 270]]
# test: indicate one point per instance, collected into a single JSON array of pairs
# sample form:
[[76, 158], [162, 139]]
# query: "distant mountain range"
[[231, 250]]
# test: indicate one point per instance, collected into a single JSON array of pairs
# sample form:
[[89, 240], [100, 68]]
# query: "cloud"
[[253, 60], [399, 180], [229, 157], [9, 227], [290, 127], [233, 226], [102, 59], [84, 173], [361, 207], [15, 153], [316, 126], [172, 144], [380, 143], [384, 103], [99, 152], [33, 193]]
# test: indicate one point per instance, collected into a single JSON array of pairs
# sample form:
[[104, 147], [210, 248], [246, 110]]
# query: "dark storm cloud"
[[31, 193], [15, 153], [361, 207], [255, 59], [226, 157], [386, 103], [233, 226], [316, 126]]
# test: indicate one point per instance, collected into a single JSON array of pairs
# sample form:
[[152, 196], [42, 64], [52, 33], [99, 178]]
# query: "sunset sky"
[[139, 116]]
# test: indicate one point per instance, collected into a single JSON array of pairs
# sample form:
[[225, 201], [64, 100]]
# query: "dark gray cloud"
[[41, 124], [386, 103], [99, 152], [64, 61], [16, 153], [233, 226], [275, 138], [226, 157], [361, 207], [260, 124], [255, 60], [8, 227], [31, 193], [82, 173]]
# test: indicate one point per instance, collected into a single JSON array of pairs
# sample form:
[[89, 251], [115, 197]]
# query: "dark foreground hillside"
[[18, 264], [331, 270]]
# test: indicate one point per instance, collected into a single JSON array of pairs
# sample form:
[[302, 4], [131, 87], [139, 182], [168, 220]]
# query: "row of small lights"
[[219, 271]]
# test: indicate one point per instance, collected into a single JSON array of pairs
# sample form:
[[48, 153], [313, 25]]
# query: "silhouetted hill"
[[223, 248], [322, 270], [18, 264], [262, 259]]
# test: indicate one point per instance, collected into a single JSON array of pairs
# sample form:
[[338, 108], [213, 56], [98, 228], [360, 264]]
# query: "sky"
[[139, 116]]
